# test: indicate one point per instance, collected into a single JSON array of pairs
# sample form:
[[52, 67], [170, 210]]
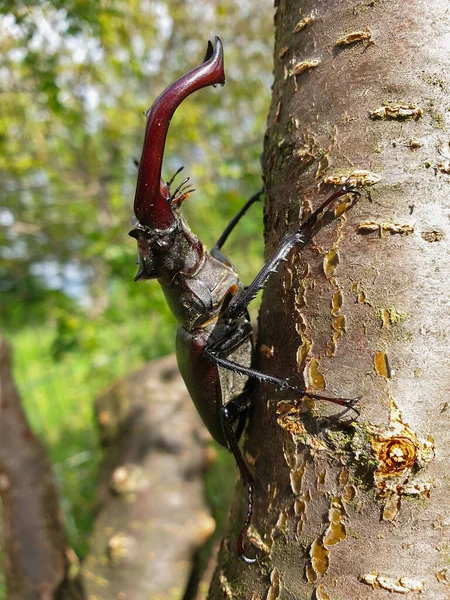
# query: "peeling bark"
[[344, 507], [153, 514], [35, 555]]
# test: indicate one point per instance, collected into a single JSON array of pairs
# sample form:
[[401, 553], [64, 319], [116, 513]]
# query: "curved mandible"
[[151, 205]]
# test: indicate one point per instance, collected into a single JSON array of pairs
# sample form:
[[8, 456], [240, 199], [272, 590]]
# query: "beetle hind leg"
[[232, 411]]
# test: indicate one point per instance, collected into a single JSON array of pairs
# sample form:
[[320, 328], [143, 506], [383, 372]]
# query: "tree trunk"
[[153, 515], [350, 507], [36, 558]]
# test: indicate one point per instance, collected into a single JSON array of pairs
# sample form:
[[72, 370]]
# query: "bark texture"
[[351, 507], [153, 515], [35, 556]]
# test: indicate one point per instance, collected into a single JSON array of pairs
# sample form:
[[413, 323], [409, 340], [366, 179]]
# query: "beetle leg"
[[235, 220], [229, 413], [302, 236], [234, 337]]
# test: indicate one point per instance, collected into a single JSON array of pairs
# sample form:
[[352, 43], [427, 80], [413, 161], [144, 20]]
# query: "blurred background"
[[75, 79]]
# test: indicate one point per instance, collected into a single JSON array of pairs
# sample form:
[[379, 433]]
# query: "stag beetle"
[[214, 343]]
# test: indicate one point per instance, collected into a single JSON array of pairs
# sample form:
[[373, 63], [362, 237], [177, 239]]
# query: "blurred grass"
[[58, 400]]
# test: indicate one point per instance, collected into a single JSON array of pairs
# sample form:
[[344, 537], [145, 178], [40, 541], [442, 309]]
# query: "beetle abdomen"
[[210, 386]]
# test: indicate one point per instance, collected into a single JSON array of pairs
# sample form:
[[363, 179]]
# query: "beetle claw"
[[240, 547]]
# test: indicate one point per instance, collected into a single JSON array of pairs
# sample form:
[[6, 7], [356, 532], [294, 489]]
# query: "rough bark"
[[35, 555], [344, 507], [153, 515]]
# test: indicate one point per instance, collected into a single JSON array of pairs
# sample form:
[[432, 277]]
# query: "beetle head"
[[164, 253]]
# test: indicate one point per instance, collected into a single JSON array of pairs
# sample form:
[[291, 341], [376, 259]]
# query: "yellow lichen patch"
[[344, 476], [381, 365], [348, 493], [400, 585], [443, 575], [300, 296], [331, 348], [368, 227], [336, 530], [321, 594], [385, 318], [319, 558], [282, 520], [300, 325], [304, 23], [272, 492], [303, 67], [444, 167], [322, 166], [290, 454], [335, 533], [364, 35], [289, 420], [120, 547], [391, 316], [391, 507], [301, 504], [267, 351], [274, 590], [283, 51], [357, 178], [296, 476], [257, 541], [396, 228], [128, 479], [314, 377], [305, 157], [311, 577], [225, 586], [338, 324], [414, 144], [383, 229], [432, 236], [397, 111], [342, 207], [303, 351], [361, 294], [336, 303], [330, 262], [300, 507]]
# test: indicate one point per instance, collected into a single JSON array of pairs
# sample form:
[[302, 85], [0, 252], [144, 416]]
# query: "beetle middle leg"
[[216, 351]]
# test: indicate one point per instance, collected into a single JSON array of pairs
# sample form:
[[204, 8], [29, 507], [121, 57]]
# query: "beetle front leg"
[[302, 236]]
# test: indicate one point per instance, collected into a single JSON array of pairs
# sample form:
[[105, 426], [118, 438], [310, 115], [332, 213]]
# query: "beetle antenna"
[[169, 183], [179, 188]]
